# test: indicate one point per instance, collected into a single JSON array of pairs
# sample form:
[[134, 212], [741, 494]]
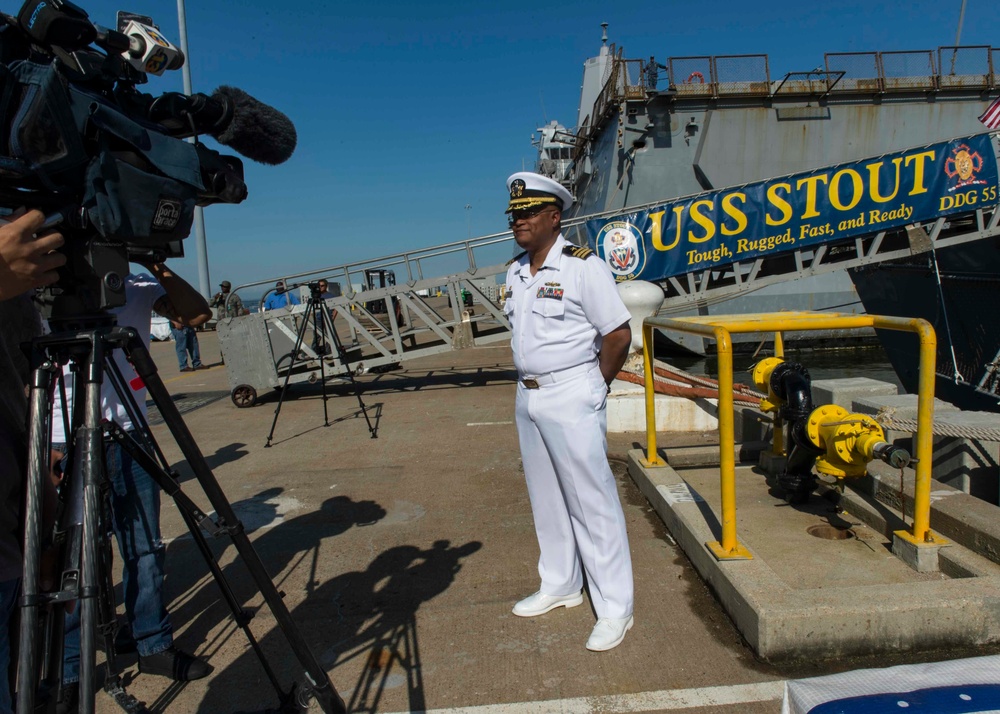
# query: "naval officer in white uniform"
[[570, 336]]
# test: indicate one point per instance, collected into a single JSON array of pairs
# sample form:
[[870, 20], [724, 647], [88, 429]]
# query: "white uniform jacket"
[[559, 316]]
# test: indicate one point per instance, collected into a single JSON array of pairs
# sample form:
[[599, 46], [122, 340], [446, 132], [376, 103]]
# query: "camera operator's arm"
[[27, 261], [182, 303]]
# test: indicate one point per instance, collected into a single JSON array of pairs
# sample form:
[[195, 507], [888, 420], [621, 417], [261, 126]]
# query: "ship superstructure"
[[649, 131]]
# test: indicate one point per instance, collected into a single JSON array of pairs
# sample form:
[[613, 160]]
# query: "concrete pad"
[[802, 596], [958, 516], [843, 392], [903, 406], [627, 411], [676, 415], [922, 557], [969, 464]]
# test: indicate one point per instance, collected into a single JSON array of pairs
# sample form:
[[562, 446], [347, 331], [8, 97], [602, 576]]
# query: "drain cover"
[[827, 532]]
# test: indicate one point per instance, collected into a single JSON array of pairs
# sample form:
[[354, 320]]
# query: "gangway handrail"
[[702, 286]]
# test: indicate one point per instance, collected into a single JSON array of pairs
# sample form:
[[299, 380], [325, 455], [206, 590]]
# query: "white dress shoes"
[[608, 633], [540, 603]]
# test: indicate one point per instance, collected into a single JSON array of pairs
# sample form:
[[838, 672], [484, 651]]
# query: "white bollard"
[[643, 299]]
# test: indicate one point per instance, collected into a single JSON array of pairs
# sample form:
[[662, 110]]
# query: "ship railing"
[[969, 67], [720, 75], [713, 76]]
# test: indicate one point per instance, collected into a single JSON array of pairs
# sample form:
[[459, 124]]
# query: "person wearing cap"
[[570, 336], [280, 297], [229, 305]]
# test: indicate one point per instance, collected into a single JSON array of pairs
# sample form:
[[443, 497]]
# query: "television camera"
[[106, 163]]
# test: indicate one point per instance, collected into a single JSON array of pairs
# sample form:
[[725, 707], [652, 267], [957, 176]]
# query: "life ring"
[[699, 75]]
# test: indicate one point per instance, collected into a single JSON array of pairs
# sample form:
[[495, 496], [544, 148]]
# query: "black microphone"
[[56, 23], [233, 117], [256, 130]]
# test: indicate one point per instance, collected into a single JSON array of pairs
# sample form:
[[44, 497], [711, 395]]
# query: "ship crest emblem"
[[962, 167], [620, 244], [517, 188]]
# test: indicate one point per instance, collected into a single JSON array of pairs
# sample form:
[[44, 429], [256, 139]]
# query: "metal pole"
[[925, 435], [468, 217], [201, 244], [652, 457], [958, 36], [727, 440]]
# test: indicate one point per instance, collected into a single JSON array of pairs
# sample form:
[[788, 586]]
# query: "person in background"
[[186, 343], [27, 261], [135, 496], [228, 305], [280, 297], [570, 336]]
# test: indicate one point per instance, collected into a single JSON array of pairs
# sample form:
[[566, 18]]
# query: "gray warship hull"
[[711, 122]]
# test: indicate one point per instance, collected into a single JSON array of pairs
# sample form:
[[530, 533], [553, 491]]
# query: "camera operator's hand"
[[27, 261]]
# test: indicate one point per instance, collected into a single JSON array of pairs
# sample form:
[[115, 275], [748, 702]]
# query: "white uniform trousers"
[[578, 517]]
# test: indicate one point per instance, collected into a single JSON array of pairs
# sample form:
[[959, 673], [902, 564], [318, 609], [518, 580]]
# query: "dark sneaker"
[[178, 666], [69, 699]]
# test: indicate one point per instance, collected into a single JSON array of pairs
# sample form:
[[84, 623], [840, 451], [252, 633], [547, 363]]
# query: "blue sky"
[[407, 112]]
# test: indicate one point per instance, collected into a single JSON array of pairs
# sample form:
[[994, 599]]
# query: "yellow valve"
[[849, 440], [762, 380]]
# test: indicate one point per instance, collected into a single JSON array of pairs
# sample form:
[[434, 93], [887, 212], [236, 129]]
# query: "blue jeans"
[[186, 342], [135, 514], [8, 598]]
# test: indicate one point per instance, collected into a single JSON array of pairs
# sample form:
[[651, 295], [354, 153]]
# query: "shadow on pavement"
[[364, 617]]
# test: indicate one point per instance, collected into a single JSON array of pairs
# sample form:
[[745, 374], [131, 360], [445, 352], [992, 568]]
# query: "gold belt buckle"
[[530, 383]]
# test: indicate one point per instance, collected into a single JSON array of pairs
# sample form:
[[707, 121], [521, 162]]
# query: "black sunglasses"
[[525, 213]]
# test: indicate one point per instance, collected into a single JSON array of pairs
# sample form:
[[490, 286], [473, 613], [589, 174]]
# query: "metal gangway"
[[420, 316]]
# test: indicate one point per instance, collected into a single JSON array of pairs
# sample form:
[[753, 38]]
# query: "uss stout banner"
[[807, 209]]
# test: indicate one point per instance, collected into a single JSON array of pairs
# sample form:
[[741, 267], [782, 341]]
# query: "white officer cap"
[[528, 189]]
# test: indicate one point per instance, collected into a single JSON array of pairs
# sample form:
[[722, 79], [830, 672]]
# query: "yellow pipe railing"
[[720, 328]]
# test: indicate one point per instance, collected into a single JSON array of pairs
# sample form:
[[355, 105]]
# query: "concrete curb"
[[780, 622]]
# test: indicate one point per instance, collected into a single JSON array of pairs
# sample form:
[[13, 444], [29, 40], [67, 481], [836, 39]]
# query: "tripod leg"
[[91, 455], [195, 519], [319, 325], [350, 376], [38, 456], [319, 683], [299, 336]]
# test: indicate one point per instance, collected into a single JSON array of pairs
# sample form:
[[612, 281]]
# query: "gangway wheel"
[[244, 396]]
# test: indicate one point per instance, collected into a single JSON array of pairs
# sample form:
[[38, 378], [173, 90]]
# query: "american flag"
[[991, 117]]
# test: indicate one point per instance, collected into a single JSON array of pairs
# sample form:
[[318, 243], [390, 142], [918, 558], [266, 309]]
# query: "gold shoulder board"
[[577, 251]]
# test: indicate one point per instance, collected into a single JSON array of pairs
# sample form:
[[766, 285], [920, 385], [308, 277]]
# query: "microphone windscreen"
[[257, 131], [48, 24]]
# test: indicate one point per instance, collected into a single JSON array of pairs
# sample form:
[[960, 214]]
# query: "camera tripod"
[[85, 526], [317, 313]]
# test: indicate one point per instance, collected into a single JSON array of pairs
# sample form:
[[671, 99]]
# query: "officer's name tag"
[[549, 292]]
